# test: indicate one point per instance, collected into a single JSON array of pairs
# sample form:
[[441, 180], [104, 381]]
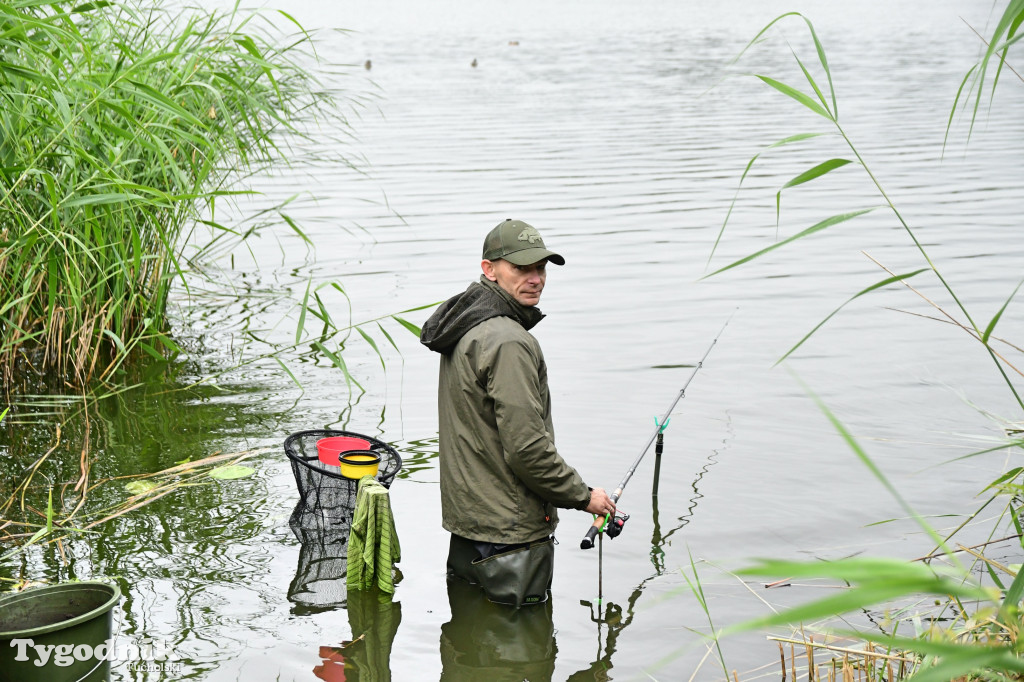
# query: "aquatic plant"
[[122, 127], [975, 631], [59, 526]]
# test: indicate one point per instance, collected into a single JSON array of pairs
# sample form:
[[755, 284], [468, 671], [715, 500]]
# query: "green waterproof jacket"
[[501, 476]]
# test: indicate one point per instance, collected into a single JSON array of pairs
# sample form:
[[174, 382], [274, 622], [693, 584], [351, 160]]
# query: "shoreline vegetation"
[[122, 127], [937, 619], [125, 129]]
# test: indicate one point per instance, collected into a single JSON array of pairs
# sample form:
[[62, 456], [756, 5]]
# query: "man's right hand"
[[600, 503]]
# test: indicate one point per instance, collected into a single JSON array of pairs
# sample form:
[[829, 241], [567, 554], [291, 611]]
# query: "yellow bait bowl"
[[359, 463]]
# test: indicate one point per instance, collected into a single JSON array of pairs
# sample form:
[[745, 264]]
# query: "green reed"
[[827, 107], [979, 631], [120, 127]]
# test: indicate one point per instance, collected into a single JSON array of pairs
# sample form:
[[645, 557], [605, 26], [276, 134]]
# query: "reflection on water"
[[319, 583], [374, 619], [489, 641], [660, 537], [494, 642], [319, 586], [610, 623]]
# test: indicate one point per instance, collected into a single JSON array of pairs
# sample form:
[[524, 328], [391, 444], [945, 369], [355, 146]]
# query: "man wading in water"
[[501, 476]]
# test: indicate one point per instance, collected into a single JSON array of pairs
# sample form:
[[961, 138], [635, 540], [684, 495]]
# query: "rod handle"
[[588, 539]]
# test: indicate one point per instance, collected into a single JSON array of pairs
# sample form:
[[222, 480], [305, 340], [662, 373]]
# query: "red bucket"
[[328, 449]]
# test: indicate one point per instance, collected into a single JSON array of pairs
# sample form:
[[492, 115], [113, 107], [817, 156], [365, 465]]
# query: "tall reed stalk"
[[120, 126], [978, 632], [827, 106]]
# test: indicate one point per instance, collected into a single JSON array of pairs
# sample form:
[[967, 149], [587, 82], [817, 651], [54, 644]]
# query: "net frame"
[[326, 498]]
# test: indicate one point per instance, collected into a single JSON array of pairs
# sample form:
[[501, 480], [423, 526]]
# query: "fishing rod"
[[615, 523]]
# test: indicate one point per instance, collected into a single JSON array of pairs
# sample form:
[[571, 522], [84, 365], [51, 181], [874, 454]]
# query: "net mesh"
[[319, 583], [326, 498], [323, 516]]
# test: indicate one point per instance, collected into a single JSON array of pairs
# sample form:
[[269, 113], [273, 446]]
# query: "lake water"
[[620, 131]]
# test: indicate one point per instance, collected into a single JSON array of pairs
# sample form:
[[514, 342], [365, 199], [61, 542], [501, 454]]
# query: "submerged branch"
[[80, 520]]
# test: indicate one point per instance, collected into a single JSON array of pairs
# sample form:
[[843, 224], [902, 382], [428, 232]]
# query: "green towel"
[[373, 543]]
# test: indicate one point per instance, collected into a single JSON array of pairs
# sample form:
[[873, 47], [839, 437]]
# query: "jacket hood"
[[481, 301]]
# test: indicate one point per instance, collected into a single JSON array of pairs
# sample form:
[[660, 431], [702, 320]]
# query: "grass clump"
[[120, 126]]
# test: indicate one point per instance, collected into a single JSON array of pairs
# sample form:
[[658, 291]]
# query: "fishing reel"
[[615, 525], [612, 527]]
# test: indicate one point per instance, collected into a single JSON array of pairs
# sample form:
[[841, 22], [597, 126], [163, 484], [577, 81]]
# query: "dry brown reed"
[[842, 663], [40, 527]]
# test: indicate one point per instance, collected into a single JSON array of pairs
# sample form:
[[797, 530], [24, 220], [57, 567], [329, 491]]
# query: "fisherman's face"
[[523, 282]]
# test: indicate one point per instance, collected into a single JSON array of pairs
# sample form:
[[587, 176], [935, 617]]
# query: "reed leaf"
[[817, 227], [871, 570], [787, 140], [323, 314], [873, 468], [822, 58], [877, 285], [373, 345], [857, 597], [382, 331], [1012, 598], [814, 84], [950, 660], [697, 589], [408, 325], [797, 95], [289, 373], [295, 228], [302, 313], [1005, 478], [1008, 24], [955, 107], [338, 361], [808, 175], [995, 319]]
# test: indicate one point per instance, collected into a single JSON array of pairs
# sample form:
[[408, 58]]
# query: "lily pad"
[[227, 473], [139, 487]]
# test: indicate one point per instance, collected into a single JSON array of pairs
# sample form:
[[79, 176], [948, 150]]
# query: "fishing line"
[[613, 523], [660, 425]]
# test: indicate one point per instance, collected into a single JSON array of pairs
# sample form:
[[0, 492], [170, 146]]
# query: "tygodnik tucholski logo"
[[151, 655]]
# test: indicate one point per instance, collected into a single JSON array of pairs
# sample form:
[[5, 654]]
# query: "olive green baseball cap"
[[519, 243]]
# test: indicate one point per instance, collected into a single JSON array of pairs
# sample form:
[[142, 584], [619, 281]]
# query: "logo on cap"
[[529, 235]]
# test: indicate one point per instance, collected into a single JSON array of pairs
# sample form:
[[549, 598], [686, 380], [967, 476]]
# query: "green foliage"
[[697, 589], [1006, 33], [983, 638], [120, 127], [871, 581], [827, 107]]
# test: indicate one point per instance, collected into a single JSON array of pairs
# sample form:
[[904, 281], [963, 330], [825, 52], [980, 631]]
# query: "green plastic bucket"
[[66, 623]]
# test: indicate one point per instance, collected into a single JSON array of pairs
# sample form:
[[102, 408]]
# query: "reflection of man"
[[501, 476], [485, 641]]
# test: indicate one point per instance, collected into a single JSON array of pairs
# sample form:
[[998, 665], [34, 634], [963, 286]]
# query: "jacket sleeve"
[[528, 446]]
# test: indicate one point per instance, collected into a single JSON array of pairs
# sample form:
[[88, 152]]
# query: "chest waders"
[[516, 575]]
